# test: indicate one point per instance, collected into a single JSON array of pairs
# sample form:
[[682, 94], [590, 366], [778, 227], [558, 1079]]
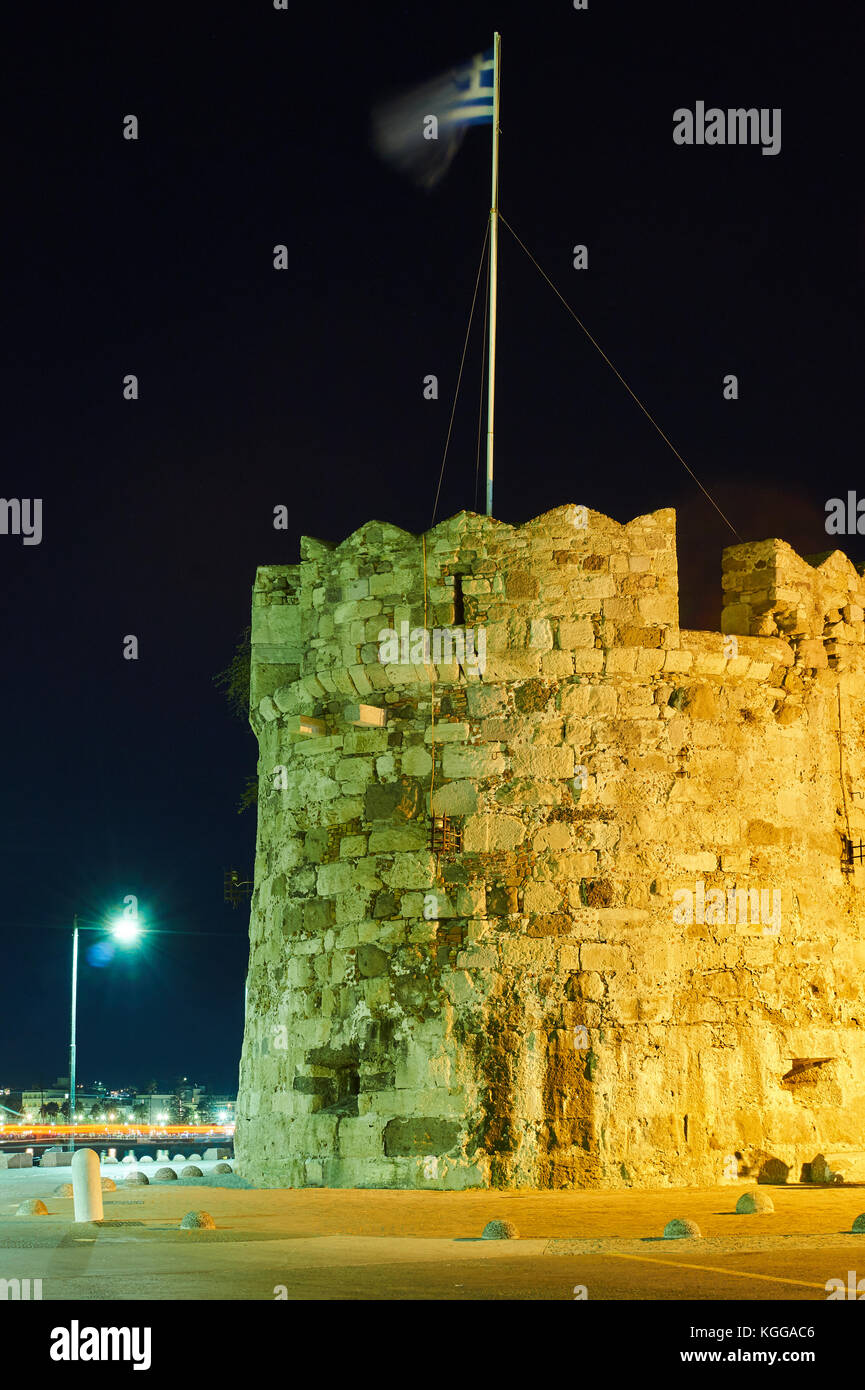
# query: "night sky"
[[304, 388]]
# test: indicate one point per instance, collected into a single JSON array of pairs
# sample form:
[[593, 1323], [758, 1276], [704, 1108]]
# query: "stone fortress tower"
[[588, 913]]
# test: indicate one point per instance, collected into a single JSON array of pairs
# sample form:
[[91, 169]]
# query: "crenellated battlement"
[[818, 605], [544, 593]]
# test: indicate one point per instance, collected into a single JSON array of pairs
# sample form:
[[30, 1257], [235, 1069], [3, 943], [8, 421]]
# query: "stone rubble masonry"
[[524, 1009]]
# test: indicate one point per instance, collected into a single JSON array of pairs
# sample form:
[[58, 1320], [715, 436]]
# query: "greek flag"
[[420, 132]]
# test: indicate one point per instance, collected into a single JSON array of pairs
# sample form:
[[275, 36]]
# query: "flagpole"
[[494, 266]]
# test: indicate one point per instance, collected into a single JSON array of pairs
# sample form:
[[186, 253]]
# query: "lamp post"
[[73, 1026], [126, 930]]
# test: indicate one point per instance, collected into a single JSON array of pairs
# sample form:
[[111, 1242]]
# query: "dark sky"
[[304, 387]]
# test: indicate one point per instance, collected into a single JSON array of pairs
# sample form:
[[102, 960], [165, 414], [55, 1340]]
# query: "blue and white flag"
[[420, 132]]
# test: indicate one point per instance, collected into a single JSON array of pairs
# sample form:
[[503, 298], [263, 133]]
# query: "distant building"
[[184, 1103], [32, 1101]]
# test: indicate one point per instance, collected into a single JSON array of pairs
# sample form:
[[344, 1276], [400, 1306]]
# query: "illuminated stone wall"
[[582, 991]]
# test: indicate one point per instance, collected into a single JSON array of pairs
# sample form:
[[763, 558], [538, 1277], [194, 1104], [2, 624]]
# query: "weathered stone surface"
[[192, 1170], [198, 1221], [426, 1136], [681, 1228], [753, 1203], [582, 919], [371, 961], [820, 1170], [400, 800], [500, 1230], [164, 1175], [32, 1207]]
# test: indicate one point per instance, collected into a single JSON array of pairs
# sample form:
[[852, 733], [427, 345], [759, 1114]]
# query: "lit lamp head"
[[125, 931]]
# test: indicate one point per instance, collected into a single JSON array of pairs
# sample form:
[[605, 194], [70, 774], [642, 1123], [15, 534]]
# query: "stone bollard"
[[682, 1229], [500, 1230], [86, 1186]]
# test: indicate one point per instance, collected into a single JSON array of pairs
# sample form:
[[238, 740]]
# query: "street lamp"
[[125, 930]]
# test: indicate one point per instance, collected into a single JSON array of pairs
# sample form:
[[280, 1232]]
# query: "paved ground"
[[357, 1244]]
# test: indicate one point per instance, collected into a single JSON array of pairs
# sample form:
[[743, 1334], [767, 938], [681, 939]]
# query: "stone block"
[[639, 636], [812, 653], [540, 634], [588, 660], [475, 762], [446, 731], [401, 837], [512, 666], [597, 956], [361, 1137], [340, 877], [621, 661], [400, 801], [416, 762], [678, 661], [543, 762], [411, 870], [455, 799], [554, 836], [541, 897], [649, 661], [371, 961], [431, 1135], [487, 834], [557, 665]]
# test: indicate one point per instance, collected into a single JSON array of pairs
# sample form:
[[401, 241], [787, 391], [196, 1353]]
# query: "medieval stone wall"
[[631, 954]]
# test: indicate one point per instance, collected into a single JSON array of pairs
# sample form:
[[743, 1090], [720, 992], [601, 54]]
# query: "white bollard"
[[86, 1186]]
